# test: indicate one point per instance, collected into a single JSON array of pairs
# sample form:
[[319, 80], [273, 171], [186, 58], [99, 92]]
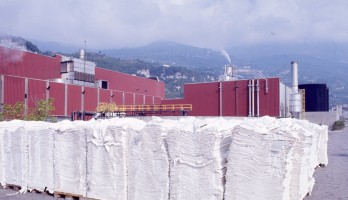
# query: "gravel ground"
[[331, 181]]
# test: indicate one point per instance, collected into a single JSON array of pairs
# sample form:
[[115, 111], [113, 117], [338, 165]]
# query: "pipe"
[[253, 97], [220, 98], [249, 86], [258, 97], [236, 93], [266, 85]]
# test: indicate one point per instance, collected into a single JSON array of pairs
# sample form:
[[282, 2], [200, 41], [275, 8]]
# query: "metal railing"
[[154, 108]]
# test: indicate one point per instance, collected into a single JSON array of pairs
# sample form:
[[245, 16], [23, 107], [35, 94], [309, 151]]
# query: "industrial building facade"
[[78, 85], [253, 98], [28, 77]]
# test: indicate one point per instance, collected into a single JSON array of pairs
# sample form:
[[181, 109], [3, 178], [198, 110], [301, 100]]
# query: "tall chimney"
[[294, 73], [82, 54], [295, 98]]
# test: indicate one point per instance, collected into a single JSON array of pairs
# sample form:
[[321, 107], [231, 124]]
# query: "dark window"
[[104, 84]]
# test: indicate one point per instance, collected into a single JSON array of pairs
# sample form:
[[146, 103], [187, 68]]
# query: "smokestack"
[[82, 54], [294, 73], [295, 99]]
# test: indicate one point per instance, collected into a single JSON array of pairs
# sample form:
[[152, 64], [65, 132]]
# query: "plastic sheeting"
[[187, 158]]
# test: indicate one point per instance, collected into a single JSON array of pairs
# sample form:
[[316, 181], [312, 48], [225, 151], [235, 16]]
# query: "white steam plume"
[[225, 54]]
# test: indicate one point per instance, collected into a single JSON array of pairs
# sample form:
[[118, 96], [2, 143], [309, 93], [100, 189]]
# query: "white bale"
[[148, 165], [195, 162], [70, 161], [107, 162], [41, 158], [259, 163]]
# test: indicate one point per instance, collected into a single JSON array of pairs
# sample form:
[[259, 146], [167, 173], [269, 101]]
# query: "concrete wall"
[[326, 118]]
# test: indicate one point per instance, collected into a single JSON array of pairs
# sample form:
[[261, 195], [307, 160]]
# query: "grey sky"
[[203, 23]]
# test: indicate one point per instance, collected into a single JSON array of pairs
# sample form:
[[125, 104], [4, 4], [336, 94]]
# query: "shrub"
[[338, 125], [106, 108], [41, 112], [11, 112]]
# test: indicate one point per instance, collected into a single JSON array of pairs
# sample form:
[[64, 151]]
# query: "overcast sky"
[[203, 23]]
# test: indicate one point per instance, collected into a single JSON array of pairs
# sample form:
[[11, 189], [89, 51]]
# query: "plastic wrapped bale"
[[193, 162], [259, 161], [70, 148], [148, 167], [107, 162], [41, 157]]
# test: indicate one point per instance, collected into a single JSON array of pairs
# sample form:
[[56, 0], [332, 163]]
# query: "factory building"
[[253, 98], [78, 85], [74, 84], [316, 97]]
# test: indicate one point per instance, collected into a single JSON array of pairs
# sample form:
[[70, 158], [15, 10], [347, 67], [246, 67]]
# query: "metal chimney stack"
[[294, 73], [82, 54], [295, 99]]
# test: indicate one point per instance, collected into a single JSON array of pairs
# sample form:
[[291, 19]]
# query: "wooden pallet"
[[40, 192], [71, 196], [66, 195], [12, 187]]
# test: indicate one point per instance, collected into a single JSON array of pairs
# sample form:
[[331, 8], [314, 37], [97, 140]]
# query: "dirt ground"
[[331, 181]]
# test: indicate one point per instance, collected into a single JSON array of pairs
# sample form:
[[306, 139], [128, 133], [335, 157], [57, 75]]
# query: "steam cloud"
[[225, 54]]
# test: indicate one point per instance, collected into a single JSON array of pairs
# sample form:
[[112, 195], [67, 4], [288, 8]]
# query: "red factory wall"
[[117, 97], [205, 98], [74, 98], [91, 99], [104, 96], [134, 84], [14, 91], [26, 64], [57, 93], [36, 91]]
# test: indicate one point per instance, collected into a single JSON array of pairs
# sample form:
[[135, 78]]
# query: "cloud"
[[205, 23]]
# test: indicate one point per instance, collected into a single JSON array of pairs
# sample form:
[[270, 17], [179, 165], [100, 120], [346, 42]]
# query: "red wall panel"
[[74, 98], [36, 91], [129, 98], [204, 97], [57, 93], [235, 98], [158, 100], [174, 101], [125, 82], [117, 98], [148, 100], [14, 90], [26, 64], [270, 102], [139, 99], [91, 99], [104, 96]]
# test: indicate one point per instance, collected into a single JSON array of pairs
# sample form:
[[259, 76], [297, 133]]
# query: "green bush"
[[41, 112], [338, 125]]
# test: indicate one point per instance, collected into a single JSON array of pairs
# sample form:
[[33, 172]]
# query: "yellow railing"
[[154, 107]]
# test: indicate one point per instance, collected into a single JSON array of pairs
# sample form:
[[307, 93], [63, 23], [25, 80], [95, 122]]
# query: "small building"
[[241, 98], [316, 97]]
